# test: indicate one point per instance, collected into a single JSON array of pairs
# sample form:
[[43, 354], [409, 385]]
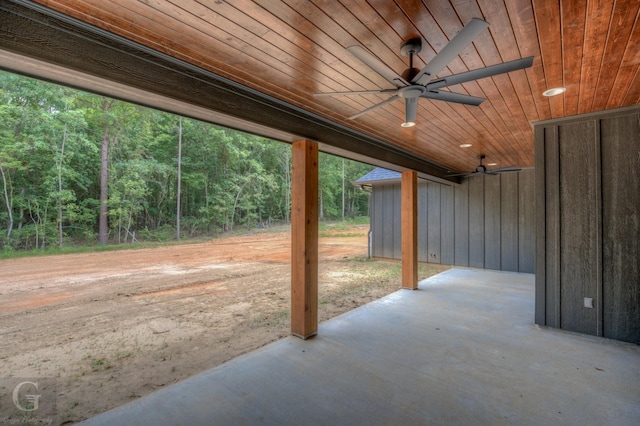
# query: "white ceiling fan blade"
[[411, 109], [452, 97], [377, 65], [489, 71], [361, 92], [391, 99], [451, 50]]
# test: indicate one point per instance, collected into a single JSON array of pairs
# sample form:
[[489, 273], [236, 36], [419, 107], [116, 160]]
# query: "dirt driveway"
[[110, 327]]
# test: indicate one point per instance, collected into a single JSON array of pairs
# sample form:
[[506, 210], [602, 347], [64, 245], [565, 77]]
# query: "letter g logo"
[[31, 399]]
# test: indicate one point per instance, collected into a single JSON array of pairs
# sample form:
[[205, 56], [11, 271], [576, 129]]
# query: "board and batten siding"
[[588, 224], [484, 222]]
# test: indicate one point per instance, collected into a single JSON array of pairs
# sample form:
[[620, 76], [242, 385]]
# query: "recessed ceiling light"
[[492, 164], [408, 124], [466, 145], [555, 91]]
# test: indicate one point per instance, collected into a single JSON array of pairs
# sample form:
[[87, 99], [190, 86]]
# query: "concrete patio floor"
[[461, 350]]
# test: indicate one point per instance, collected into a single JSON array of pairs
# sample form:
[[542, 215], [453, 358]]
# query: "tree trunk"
[[21, 217], [60, 233], [179, 179], [7, 201], [104, 182], [285, 163], [343, 189]]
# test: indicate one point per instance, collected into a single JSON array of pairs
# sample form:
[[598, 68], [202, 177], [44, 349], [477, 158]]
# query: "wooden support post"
[[304, 239], [409, 206]]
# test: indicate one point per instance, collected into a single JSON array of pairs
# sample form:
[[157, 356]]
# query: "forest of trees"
[[77, 168]]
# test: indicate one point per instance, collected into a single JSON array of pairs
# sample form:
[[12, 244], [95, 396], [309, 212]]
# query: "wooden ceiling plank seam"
[[628, 67], [547, 16], [363, 36], [596, 29], [523, 23], [508, 49], [633, 95], [242, 39], [335, 49], [618, 34], [573, 32], [294, 30]]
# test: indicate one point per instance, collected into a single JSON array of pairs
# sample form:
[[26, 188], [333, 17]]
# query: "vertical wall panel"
[[397, 222], [446, 225], [377, 222], [461, 223], [526, 221], [389, 220], [433, 221], [422, 223], [492, 210], [579, 226], [476, 222], [540, 227], [552, 227], [509, 222], [621, 227]]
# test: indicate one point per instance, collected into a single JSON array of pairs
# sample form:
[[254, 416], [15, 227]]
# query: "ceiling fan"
[[414, 84], [481, 169]]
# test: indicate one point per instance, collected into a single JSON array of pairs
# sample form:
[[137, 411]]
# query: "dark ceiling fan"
[[481, 169], [414, 83]]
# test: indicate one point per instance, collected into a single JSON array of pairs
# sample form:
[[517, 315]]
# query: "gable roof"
[[378, 175]]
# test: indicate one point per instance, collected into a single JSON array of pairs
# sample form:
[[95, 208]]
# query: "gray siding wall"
[[485, 222], [588, 224]]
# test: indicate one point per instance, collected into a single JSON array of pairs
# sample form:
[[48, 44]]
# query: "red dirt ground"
[[112, 326]]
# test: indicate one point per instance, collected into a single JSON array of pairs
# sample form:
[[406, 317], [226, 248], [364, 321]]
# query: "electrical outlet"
[[588, 302]]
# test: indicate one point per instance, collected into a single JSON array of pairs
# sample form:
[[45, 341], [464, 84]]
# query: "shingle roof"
[[378, 175]]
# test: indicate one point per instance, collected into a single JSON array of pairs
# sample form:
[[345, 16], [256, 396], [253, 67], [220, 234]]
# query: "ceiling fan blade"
[[462, 174], [506, 169], [459, 98], [411, 109], [489, 71], [451, 50], [377, 65], [391, 99], [361, 92]]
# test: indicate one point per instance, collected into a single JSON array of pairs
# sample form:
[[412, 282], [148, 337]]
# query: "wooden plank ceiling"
[[290, 49]]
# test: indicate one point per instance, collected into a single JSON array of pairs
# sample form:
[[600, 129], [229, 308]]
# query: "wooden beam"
[[409, 216], [304, 239]]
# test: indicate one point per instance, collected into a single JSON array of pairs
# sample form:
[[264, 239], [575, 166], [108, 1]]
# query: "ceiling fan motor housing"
[[411, 46]]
